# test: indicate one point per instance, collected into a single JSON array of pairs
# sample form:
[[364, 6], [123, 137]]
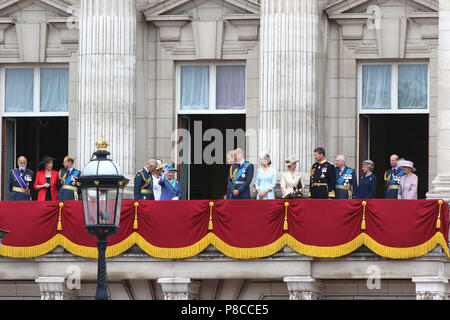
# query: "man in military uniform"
[[20, 181], [346, 181], [240, 177], [143, 182], [392, 178], [67, 181], [323, 177]]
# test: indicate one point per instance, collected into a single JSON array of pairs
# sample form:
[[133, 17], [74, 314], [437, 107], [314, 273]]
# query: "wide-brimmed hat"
[[406, 163], [46, 159], [290, 161], [159, 164]]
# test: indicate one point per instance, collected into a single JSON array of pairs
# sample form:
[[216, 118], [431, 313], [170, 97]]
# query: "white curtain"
[[54, 89], [376, 87], [412, 86], [19, 90], [194, 87], [230, 87]]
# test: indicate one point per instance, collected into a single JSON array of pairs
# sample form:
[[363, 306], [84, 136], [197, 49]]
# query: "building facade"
[[185, 81]]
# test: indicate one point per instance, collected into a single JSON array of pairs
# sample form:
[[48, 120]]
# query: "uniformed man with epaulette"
[[67, 180], [143, 182], [346, 181], [322, 180], [392, 178], [20, 181]]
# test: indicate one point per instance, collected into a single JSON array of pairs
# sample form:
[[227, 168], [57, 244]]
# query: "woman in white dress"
[[292, 184], [155, 176]]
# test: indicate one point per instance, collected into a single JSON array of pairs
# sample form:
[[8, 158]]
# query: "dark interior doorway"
[[204, 180], [405, 135], [32, 138]]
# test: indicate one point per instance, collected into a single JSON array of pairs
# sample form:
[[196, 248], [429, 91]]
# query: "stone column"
[[107, 73], [303, 288], [179, 288], [289, 53], [431, 288], [54, 288], [441, 184]]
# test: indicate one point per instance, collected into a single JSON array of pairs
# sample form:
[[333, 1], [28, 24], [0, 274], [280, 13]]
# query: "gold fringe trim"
[[325, 252], [409, 252], [173, 253], [230, 251]]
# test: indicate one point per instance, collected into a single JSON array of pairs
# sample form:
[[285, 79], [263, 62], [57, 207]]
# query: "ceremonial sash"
[[341, 180], [20, 180], [240, 172], [68, 178], [393, 181]]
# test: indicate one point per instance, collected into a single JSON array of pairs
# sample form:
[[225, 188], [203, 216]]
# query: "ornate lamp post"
[[102, 184]]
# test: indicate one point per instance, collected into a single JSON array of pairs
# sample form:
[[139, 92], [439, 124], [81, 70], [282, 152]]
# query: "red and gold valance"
[[242, 229]]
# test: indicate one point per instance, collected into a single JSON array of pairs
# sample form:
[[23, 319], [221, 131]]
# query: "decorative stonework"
[[431, 288], [303, 288], [54, 288], [179, 288]]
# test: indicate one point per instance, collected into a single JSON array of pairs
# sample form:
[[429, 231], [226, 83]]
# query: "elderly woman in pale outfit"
[[409, 181], [155, 176], [266, 179], [291, 181]]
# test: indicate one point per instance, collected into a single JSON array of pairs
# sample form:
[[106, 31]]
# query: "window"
[[393, 87], [29, 90], [211, 88]]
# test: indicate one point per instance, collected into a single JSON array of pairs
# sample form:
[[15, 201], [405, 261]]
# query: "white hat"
[[290, 161], [406, 163]]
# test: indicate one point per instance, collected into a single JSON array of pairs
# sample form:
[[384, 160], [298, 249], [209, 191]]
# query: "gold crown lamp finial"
[[102, 145]]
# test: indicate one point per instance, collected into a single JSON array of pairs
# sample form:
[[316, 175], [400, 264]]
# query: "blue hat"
[[169, 167]]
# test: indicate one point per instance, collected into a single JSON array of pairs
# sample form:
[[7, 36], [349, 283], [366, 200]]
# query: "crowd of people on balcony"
[[158, 181]]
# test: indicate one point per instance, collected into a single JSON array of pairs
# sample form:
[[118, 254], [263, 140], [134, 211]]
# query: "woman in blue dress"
[[170, 187], [266, 179], [368, 181]]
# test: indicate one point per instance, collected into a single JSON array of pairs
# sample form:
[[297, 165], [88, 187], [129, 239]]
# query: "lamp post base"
[[102, 233]]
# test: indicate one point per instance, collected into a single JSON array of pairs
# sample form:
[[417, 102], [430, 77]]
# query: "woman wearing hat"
[[409, 181], [368, 181], [292, 184], [266, 178], [170, 187], [46, 180], [155, 176]]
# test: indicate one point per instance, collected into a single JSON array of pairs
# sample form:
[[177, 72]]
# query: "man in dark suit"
[[20, 181], [240, 177], [143, 182], [67, 180]]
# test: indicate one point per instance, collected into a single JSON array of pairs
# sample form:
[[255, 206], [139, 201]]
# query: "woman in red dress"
[[46, 180]]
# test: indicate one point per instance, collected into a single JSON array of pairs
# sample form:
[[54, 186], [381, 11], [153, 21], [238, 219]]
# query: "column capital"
[[304, 288], [431, 288], [54, 288], [179, 288]]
